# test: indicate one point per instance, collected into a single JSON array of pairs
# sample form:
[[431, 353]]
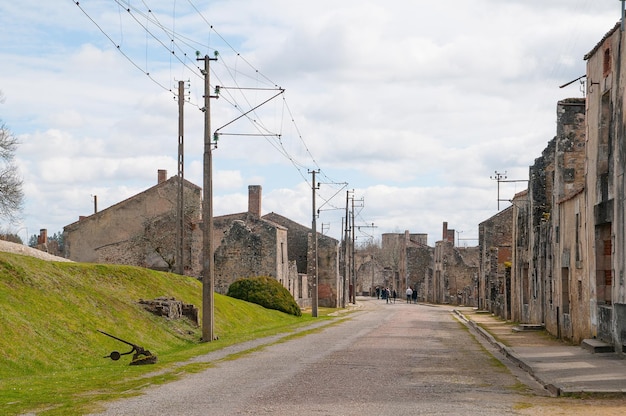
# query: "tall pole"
[[208, 267], [314, 300], [345, 255], [353, 269], [180, 203], [498, 177]]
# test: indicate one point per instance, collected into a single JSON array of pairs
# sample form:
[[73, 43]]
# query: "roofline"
[[172, 179], [604, 38]]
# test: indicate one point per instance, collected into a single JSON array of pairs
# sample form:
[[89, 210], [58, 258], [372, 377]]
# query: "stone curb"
[[510, 354]]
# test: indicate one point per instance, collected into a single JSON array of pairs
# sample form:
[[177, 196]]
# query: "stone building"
[[407, 257], [371, 273], [569, 262], [494, 240], [139, 230], [606, 188], [329, 282], [443, 274], [533, 271], [455, 272], [249, 245], [520, 255], [548, 275], [419, 266], [567, 289], [47, 245]]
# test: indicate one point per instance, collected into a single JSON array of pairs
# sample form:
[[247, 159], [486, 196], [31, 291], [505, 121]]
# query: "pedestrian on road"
[[395, 295], [414, 296], [409, 293], [387, 294]]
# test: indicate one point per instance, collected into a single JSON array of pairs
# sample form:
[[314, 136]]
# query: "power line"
[[177, 46]]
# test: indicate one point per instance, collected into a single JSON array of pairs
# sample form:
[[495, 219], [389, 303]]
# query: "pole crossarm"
[[217, 131], [345, 184]]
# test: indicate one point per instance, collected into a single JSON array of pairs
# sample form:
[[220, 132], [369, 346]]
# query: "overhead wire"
[[176, 51], [117, 46]]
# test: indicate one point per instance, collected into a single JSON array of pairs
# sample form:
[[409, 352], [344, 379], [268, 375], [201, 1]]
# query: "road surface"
[[386, 359]]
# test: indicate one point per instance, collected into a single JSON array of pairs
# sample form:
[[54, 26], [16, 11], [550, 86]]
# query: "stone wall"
[[299, 249], [249, 246], [171, 308], [495, 241], [419, 268]]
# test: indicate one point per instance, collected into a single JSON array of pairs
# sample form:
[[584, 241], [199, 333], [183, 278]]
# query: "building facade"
[[495, 259], [300, 249], [140, 230], [606, 188]]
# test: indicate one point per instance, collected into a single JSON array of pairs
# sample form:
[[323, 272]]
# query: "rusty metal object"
[[140, 356]]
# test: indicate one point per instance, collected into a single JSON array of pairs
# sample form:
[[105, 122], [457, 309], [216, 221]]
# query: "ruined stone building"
[[569, 244], [566, 291], [370, 271], [407, 259], [47, 245], [300, 249], [520, 263], [140, 230], [419, 266], [605, 252], [493, 283], [455, 272], [248, 245], [547, 221], [441, 274]]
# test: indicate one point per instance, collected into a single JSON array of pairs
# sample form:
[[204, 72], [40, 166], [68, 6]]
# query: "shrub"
[[264, 291]]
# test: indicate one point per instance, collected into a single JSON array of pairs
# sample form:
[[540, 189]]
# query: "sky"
[[411, 109]]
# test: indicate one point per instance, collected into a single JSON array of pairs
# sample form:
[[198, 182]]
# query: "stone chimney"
[[162, 176], [448, 233], [254, 200], [43, 236]]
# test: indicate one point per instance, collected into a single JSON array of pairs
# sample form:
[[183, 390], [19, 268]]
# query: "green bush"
[[264, 291]]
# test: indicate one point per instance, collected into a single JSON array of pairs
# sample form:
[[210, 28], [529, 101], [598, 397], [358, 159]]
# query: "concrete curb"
[[510, 354]]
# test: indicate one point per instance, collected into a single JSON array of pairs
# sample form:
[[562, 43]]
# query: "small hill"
[[51, 311]]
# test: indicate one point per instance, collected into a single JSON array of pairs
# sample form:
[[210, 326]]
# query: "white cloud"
[[414, 104]]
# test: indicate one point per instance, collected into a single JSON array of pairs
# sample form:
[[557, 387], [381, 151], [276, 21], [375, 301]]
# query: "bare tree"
[[158, 238], [11, 192]]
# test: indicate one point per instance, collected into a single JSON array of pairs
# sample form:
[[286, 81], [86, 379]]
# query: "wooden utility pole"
[[314, 300], [352, 266], [180, 203], [346, 262], [208, 266]]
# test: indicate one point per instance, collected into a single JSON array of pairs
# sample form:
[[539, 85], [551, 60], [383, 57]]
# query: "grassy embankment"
[[51, 360]]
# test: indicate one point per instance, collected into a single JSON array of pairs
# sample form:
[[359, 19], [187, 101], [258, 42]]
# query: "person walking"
[[395, 295], [414, 296], [409, 293]]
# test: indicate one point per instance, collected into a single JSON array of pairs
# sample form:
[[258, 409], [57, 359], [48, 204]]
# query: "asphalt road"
[[386, 359]]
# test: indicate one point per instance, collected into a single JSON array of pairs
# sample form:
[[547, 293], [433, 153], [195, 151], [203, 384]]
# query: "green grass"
[[51, 359]]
